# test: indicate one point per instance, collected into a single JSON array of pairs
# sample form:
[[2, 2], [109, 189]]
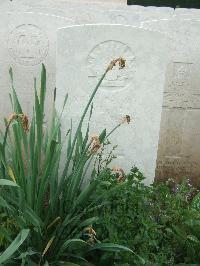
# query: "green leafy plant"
[[157, 222], [8, 226], [49, 208]]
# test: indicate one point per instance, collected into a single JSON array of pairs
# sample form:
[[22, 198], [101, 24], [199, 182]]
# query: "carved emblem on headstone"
[[178, 94], [181, 75], [28, 44], [99, 58]]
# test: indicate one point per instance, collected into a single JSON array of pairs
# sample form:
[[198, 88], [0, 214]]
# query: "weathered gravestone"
[[150, 13], [105, 14], [184, 13], [83, 15], [94, 15], [80, 12], [74, 4], [90, 12], [11, 6], [100, 12], [27, 40], [179, 146], [83, 54]]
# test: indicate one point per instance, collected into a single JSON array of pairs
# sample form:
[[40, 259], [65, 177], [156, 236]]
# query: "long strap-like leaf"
[[21, 237]]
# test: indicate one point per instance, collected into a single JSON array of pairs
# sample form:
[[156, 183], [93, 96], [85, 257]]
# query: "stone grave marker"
[[83, 54], [60, 4], [27, 41], [179, 145], [108, 14], [96, 16], [187, 13], [90, 12]]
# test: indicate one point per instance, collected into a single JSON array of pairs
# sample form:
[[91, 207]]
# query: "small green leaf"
[[193, 239], [102, 136]]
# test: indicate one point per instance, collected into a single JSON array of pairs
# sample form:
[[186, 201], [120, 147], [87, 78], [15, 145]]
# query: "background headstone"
[[90, 12], [105, 13], [27, 40], [75, 4], [136, 90], [179, 146]]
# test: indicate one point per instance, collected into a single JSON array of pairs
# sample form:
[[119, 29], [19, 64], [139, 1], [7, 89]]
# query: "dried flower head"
[[12, 117], [25, 123], [22, 117], [91, 235], [120, 61], [95, 144], [89, 230], [126, 119], [119, 173]]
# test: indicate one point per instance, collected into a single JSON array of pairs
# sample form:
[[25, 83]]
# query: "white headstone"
[[150, 13], [11, 6], [75, 4], [162, 25], [93, 11], [104, 13], [50, 11], [187, 13], [27, 40], [83, 54], [82, 15], [135, 17], [179, 146]]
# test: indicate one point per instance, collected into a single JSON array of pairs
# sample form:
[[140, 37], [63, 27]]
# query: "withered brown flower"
[[120, 61], [119, 173], [91, 235], [25, 123], [95, 144], [12, 117], [126, 119], [90, 230], [24, 120]]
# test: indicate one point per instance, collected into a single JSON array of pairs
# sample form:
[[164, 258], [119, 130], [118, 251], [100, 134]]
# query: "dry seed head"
[[95, 144], [120, 172], [126, 119], [94, 137], [89, 230], [91, 233], [25, 123], [24, 120], [12, 117], [120, 61]]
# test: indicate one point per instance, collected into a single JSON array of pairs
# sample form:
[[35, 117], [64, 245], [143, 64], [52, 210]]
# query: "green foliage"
[[14, 245], [157, 222], [47, 209]]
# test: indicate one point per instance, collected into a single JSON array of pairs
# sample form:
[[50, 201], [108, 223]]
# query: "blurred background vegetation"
[[170, 3]]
